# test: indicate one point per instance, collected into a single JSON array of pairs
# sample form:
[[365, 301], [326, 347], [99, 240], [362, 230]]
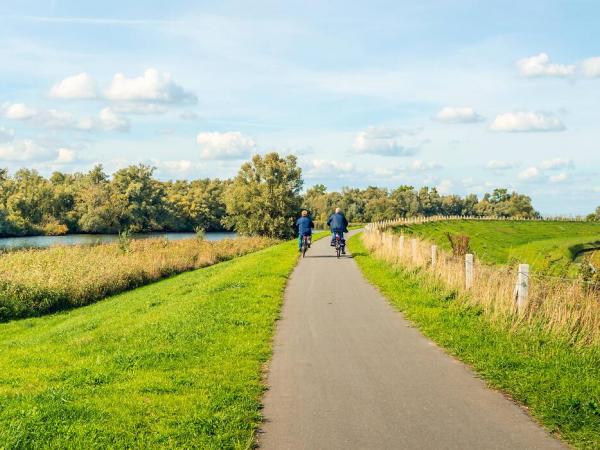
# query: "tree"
[[143, 195], [595, 216], [264, 197]]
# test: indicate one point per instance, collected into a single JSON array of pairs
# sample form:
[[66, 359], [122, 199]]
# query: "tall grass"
[[36, 282], [565, 308]]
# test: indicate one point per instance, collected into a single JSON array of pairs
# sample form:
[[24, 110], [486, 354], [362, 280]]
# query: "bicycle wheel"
[[304, 246], [338, 249]]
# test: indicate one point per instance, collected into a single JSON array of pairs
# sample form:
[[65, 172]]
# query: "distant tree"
[[143, 195], [595, 216], [264, 197], [316, 202]]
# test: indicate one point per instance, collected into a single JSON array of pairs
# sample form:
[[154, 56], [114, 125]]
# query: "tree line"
[[264, 198]]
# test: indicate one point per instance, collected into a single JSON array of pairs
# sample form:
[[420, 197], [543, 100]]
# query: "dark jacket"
[[337, 222], [305, 225]]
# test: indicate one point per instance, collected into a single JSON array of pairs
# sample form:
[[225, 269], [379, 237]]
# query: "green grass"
[[174, 364], [549, 247], [560, 384]]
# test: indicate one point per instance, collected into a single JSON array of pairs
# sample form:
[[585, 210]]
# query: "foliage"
[[551, 247], [557, 382], [177, 364], [373, 204], [94, 203], [595, 216], [264, 197], [35, 282]]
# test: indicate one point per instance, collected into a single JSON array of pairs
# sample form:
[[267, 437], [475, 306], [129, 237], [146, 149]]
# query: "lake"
[[13, 243]]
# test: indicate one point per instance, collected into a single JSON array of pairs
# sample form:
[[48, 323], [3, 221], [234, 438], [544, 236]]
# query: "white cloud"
[[556, 163], [458, 114], [181, 166], [66, 155], [558, 178], [496, 164], [6, 135], [18, 111], [329, 166], [107, 120], [81, 86], [229, 145], [110, 121], [151, 86], [445, 186], [423, 166], [386, 141], [26, 150], [540, 66], [590, 67], [527, 122], [528, 174]]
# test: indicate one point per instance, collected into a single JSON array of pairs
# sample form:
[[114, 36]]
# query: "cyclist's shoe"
[[343, 251]]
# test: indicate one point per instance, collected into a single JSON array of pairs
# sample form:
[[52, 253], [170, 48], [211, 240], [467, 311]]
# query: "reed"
[[36, 282], [562, 307]]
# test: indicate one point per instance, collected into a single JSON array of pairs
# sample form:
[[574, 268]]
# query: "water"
[[13, 243]]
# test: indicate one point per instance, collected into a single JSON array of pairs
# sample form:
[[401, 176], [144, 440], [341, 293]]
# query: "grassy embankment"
[[557, 381], [36, 282], [176, 364], [549, 247]]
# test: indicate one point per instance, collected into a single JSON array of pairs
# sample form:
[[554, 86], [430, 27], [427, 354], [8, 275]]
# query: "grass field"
[[36, 282], [549, 247], [176, 364], [559, 383]]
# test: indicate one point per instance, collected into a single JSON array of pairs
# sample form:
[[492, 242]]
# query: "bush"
[[36, 282]]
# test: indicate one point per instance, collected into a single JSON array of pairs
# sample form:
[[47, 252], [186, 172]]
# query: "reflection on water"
[[13, 243]]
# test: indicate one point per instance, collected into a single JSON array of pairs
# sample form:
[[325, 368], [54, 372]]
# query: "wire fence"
[[562, 305]]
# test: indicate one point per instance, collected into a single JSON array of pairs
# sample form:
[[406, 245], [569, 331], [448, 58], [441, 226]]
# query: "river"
[[13, 243]]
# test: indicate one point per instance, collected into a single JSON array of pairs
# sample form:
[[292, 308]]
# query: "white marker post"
[[522, 287], [469, 270]]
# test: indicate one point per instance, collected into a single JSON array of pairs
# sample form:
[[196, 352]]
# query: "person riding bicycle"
[[305, 226], [338, 224]]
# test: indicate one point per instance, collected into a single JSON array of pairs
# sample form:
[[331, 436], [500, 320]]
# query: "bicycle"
[[339, 244], [305, 244]]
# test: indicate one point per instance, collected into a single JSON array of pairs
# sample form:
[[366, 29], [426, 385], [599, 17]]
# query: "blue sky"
[[462, 95]]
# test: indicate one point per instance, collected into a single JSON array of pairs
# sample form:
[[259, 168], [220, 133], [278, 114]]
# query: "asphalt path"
[[349, 372]]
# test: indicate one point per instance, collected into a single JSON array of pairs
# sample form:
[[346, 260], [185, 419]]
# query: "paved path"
[[348, 372]]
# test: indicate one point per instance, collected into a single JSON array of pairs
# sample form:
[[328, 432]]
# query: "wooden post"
[[413, 246], [522, 288], [433, 255], [468, 270]]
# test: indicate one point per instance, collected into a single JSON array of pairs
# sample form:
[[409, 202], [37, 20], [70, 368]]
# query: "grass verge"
[[37, 282], [549, 247], [175, 364], [559, 383]]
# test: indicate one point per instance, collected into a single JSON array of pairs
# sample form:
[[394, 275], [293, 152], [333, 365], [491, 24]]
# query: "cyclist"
[[305, 226], [338, 224]]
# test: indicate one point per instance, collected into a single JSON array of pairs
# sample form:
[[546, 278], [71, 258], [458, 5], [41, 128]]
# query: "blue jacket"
[[305, 225], [337, 222]]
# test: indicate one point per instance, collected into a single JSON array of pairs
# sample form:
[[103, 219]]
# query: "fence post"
[[522, 288], [469, 270], [433, 255], [401, 244], [413, 246]]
